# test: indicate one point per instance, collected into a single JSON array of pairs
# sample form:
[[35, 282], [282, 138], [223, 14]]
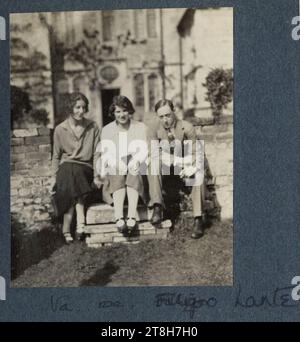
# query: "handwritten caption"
[[67, 304], [192, 304]]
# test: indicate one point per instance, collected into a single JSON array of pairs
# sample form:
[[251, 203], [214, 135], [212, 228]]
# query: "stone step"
[[111, 227], [139, 232], [104, 213], [107, 234], [113, 237], [96, 243]]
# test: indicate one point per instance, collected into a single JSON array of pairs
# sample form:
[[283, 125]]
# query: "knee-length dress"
[[73, 163], [117, 148]]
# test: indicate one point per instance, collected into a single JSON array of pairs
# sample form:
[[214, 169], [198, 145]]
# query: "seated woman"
[[124, 151], [73, 161]]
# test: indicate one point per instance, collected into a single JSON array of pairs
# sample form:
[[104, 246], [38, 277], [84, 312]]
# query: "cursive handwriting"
[[190, 303], [61, 303], [109, 304], [280, 297]]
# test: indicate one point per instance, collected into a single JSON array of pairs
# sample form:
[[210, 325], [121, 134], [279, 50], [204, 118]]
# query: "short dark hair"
[[165, 102], [73, 98], [120, 101]]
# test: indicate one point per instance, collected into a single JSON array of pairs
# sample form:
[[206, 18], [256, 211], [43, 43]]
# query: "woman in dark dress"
[[73, 162]]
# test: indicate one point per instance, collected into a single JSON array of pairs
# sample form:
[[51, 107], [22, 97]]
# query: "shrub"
[[219, 84], [22, 113]]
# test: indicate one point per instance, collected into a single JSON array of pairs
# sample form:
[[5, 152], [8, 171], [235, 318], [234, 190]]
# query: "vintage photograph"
[[122, 147]]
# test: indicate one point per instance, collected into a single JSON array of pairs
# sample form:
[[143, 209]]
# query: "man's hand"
[[188, 171]]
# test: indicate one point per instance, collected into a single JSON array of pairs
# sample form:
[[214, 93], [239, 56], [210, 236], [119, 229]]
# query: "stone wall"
[[219, 152], [31, 171], [31, 175], [207, 43]]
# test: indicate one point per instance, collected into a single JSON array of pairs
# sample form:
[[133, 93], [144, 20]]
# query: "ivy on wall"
[[23, 114], [28, 67]]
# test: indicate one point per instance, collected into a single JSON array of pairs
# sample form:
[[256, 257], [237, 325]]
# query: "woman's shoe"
[[131, 225], [121, 225], [68, 238]]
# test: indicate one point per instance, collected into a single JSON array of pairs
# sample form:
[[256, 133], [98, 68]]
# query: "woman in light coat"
[[123, 158]]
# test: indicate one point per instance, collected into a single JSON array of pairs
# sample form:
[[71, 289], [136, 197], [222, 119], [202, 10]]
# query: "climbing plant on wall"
[[91, 51], [28, 67], [88, 52]]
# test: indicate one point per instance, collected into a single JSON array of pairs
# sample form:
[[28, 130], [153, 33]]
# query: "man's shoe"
[[198, 228], [157, 214]]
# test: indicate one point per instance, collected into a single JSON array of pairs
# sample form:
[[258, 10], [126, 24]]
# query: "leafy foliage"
[[22, 113], [28, 99], [91, 51], [219, 84], [23, 58], [88, 52]]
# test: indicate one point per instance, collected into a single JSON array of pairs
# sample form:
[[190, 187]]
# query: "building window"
[[152, 82], [90, 22], [139, 24], [108, 25], [151, 23], [109, 73], [139, 90], [70, 32]]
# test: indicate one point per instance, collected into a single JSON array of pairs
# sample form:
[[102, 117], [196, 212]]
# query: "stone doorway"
[[106, 99]]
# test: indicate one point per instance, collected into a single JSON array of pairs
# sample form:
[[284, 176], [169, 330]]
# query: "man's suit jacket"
[[182, 131]]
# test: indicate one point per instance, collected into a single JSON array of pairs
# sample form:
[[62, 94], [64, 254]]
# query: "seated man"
[[168, 140]]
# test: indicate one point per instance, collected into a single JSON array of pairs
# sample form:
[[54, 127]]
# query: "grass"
[[177, 261]]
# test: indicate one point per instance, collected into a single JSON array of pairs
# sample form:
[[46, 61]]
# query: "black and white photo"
[[93, 202]]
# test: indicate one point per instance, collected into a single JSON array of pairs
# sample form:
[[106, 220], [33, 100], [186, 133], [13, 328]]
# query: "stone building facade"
[[206, 42], [107, 53], [144, 54]]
